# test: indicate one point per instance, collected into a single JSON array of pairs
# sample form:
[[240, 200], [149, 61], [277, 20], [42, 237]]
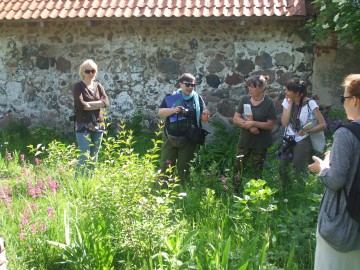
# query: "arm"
[[94, 105], [285, 118], [78, 97], [336, 174], [166, 112], [269, 124], [238, 120]]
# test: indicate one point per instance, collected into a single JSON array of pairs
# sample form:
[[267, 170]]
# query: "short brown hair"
[[352, 84], [187, 77]]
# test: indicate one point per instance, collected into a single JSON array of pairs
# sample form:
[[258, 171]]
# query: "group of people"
[[256, 116]]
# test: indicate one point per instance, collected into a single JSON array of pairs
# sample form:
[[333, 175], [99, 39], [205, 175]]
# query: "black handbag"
[[196, 135]]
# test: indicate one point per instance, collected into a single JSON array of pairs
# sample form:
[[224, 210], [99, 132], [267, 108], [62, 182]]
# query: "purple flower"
[[22, 157]]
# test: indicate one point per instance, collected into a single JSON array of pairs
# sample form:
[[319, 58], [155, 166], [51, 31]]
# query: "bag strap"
[[354, 128]]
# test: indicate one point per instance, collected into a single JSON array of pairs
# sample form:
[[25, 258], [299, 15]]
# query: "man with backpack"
[[338, 230]]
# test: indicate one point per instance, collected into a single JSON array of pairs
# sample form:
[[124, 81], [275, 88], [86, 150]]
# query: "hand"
[[248, 124], [290, 101], [178, 109], [320, 164], [205, 115], [301, 133], [254, 130]]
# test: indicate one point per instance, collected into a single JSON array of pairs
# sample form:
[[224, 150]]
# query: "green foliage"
[[341, 17], [221, 151], [119, 217]]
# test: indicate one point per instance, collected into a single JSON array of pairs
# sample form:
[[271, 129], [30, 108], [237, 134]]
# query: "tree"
[[341, 17]]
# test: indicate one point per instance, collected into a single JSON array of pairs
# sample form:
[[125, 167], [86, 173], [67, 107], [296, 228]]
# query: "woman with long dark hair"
[[297, 109]]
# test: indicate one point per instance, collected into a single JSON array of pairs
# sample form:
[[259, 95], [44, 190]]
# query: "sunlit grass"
[[119, 217]]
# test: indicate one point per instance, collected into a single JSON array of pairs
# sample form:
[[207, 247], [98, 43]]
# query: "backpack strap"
[[354, 128]]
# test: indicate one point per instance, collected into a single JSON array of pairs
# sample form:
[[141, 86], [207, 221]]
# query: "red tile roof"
[[61, 9]]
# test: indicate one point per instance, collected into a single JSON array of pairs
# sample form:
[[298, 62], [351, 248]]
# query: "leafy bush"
[[120, 217]]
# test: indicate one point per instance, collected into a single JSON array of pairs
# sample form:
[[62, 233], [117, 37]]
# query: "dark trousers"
[[242, 157], [177, 155], [295, 160]]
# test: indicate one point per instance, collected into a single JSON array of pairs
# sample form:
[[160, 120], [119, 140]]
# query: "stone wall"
[[139, 62]]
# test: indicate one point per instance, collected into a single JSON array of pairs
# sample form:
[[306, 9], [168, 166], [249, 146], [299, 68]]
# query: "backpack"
[[353, 198]]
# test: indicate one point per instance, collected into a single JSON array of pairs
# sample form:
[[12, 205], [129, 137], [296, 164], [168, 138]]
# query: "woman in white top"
[[298, 111]]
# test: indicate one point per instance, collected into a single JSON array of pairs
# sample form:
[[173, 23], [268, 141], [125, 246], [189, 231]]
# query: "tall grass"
[[120, 217]]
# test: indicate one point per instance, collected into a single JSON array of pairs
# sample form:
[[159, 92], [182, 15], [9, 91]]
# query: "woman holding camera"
[[89, 100], [297, 146], [177, 149], [256, 124]]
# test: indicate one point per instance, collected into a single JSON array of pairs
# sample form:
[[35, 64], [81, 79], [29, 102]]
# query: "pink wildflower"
[[25, 217], [37, 160], [22, 157], [41, 185], [53, 185], [21, 236], [33, 229], [51, 212], [42, 227], [9, 156]]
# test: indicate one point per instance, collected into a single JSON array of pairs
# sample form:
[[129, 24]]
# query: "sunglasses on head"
[[88, 71], [189, 84]]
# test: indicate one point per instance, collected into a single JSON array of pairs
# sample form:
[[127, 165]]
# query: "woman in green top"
[[256, 116]]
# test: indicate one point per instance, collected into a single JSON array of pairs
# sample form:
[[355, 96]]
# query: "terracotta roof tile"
[[54, 9]]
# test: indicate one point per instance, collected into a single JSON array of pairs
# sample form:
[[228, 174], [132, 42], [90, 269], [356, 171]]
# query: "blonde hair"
[[352, 84], [87, 63]]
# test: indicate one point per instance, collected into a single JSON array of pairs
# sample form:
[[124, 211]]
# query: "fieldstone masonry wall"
[[139, 62]]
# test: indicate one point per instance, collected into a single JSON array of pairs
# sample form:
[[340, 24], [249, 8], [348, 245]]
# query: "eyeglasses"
[[189, 84], [342, 98], [88, 71]]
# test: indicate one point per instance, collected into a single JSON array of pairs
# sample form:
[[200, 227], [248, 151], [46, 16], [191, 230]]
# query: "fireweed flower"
[[51, 212], [25, 217], [37, 161], [41, 185], [42, 227], [33, 228], [34, 192], [21, 236], [22, 157], [53, 185]]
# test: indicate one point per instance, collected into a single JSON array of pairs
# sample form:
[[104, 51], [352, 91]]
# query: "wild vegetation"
[[339, 17], [122, 217]]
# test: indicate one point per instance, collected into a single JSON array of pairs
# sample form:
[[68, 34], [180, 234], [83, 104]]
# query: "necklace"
[[261, 99]]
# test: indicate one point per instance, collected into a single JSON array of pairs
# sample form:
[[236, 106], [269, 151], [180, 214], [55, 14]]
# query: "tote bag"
[[318, 140]]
